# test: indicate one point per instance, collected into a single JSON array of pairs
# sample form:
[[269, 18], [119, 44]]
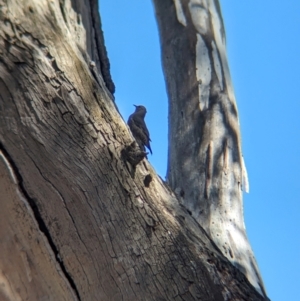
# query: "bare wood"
[[205, 162]]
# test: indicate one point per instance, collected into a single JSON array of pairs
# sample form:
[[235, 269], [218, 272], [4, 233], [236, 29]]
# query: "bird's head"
[[140, 109]]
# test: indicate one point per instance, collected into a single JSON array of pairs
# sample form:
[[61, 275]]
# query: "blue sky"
[[263, 45]]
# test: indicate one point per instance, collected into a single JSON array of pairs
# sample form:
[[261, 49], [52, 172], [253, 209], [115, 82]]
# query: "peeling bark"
[[75, 222]]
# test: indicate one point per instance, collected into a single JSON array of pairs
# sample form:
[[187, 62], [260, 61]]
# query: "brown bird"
[[139, 129]]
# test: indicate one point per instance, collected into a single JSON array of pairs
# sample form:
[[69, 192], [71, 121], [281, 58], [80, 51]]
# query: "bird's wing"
[[142, 125], [139, 122], [139, 130]]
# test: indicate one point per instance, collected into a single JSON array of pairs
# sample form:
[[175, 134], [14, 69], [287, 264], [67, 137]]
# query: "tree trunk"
[[206, 167], [78, 221]]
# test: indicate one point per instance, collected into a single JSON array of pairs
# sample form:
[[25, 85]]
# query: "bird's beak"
[[135, 105]]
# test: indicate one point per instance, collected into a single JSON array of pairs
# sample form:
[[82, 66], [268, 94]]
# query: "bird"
[[139, 129]]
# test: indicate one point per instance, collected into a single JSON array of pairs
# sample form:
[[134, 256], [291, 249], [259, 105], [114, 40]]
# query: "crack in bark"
[[61, 6], [71, 217], [41, 224], [99, 40]]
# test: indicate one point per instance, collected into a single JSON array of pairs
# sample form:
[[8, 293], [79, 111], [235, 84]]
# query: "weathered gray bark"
[[76, 223], [206, 167]]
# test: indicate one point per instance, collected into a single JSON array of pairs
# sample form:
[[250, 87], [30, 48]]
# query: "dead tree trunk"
[[206, 167], [78, 221]]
